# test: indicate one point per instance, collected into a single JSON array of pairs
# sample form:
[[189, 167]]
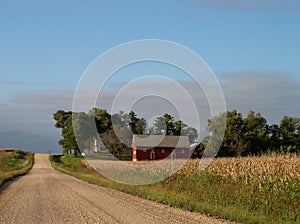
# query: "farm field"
[[14, 163], [263, 189]]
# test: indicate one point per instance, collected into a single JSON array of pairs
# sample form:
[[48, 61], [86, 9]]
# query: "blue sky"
[[45, 46]]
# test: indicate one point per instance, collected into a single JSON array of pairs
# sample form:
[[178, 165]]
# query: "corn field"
[[264, 189], [271, 169], [268, 184]]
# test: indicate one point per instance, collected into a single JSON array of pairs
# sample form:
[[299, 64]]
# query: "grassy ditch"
[[13, 164], [247, 190]]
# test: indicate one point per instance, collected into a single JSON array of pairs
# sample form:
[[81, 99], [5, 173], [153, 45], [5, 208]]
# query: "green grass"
[[205, 193], [13, 164]]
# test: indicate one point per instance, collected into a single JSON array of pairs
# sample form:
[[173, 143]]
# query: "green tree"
[[116, 146], [118, 138], [169, 120], [274, 139], [60, 117], [233, 144], [168, 126], [289, 131], [255, 132], [214, 144], [137, 125], [159, 126], [64, 121], [84, 130], [164, 125], [102, 119], [141, 125], [179, 126]]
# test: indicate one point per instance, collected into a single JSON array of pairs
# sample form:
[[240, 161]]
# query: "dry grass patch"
[[14, 163]]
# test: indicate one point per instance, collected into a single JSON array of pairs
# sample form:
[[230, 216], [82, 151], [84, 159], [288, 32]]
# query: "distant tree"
[[117, 146], [83, 127], [243, 136], [141, 125], [191, 132], [274, 139], [164, 125], [167, 125], [255, 133], [60, 117], [68, 142], [137, 125], [64, 121], [77, 128], [233, 135], [118, 138], [159, 126], [179, 126], [252, 135], [120, 120], [216, 127], [289, 132], [132, 121], [102, 119], [233, 144], [169, 120]]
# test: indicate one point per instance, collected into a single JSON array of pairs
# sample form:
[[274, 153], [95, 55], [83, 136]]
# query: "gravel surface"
[[45, 195]]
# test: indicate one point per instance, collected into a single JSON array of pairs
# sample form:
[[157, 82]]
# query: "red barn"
[[155, 147]]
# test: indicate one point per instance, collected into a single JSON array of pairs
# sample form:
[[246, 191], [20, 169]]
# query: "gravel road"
[[45, 195]]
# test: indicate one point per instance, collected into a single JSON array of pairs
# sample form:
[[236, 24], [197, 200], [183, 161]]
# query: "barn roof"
[[166, 141]]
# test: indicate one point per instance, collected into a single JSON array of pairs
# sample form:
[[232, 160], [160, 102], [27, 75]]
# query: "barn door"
[[152, 154]]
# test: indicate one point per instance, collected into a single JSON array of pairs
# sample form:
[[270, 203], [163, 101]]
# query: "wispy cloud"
[[273, 94], [30, 83]]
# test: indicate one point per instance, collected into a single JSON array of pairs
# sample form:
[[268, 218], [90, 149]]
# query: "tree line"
[[249, 135], [111, 127], [252, 135]]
